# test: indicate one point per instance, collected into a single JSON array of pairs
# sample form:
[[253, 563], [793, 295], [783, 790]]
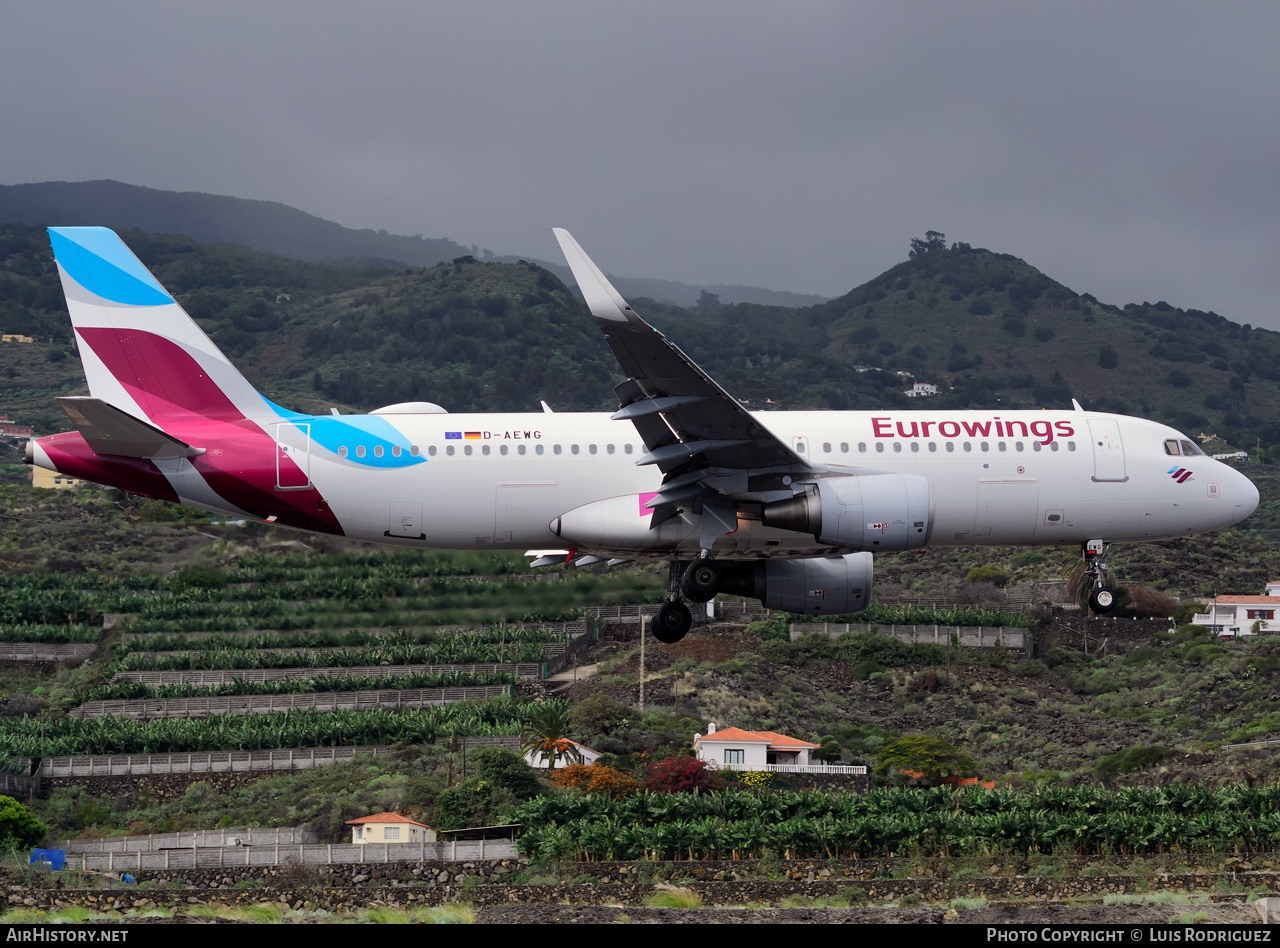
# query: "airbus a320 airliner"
[[786, 507]]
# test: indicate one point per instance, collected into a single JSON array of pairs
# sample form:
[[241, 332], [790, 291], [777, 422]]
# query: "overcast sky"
[[1126, 149]]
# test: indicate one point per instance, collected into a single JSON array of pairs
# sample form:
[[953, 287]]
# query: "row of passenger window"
[[983, 446], [467, 449]]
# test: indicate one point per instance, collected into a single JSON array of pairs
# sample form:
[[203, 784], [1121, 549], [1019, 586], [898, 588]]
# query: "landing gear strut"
[[673, 620], [1102, 595]]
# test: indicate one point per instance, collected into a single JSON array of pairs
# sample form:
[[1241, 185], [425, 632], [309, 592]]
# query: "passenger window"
[[608, 449], [1053, 446], [414, 451], [431, 450], [1036, 446], [1071, 445], [915, 447], [342, 451], [968, 446], [448, 449], [951, 446], [466, 449], [897, 447], [377, 450], [520, 449], [556, 449], [862, 447], [1017, 446], [591, 449], [626, 449], [844, 447], [1000, 445], [826, 447], [880, 447], [484, 449], [360, 451], [573, 449], [538, 449], [396, 451], [933, 447]]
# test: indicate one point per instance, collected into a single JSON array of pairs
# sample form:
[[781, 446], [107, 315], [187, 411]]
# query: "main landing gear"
[[673, 619], [1102, 596]]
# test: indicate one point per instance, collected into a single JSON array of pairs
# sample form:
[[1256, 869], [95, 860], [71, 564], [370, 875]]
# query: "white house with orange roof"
[[1237, 615], [390, 828]]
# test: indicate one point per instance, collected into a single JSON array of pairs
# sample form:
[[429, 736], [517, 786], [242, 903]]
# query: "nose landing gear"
[[1102, 597]]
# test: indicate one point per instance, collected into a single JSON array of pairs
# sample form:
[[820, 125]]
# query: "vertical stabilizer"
[[141, 352]]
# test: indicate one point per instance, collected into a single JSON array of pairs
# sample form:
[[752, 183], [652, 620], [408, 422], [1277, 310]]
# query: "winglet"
[[602, 299]]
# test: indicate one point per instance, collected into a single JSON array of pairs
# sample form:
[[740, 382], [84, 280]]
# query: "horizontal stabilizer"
[[108, 430]]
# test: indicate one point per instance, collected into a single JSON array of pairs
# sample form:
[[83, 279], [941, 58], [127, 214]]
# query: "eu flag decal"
[[453, 436]]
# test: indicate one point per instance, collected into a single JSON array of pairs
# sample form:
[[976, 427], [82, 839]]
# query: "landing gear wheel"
[[1102, 600], [671, 622], [702, 580]]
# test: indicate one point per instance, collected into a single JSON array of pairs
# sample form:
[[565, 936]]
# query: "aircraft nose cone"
[[1246, 496]]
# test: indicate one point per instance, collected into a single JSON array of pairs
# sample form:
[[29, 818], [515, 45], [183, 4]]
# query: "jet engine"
[[875, 512], [819, 585]]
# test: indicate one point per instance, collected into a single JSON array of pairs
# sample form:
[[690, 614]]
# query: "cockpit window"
[[1184, 448]]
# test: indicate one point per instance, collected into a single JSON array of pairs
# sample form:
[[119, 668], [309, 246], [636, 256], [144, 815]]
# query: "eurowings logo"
[[1179, 474]]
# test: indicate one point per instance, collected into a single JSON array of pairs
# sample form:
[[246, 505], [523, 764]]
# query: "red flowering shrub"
[[680, 773]]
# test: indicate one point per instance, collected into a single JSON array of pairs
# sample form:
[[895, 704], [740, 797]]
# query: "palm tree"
[[545, 736]]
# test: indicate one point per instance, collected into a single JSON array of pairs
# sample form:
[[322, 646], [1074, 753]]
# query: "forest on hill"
[[989, 329]]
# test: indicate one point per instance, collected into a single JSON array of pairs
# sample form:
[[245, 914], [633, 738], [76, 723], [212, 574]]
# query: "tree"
[[927, 755], [546, 738], [708, 300], [19, 827], [933, 240]]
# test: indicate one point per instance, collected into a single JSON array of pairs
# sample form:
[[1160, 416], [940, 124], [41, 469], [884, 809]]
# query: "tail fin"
[[141, 352]]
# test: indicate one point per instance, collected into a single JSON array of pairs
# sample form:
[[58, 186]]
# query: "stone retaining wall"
[[1091, 635]]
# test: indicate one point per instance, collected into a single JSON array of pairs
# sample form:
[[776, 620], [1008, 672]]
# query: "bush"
[[987, 574], [679, 774], [1135, 758], [595, 778], [19, 827]]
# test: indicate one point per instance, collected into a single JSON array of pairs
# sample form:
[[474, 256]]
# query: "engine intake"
[[874, 512]]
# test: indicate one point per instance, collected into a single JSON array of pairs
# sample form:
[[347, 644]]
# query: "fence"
[[289, 835], [220, 676], [857, 770], [139, 765], [44, 651], [314, 855], [575, 625], [150, 708], [971, 636]]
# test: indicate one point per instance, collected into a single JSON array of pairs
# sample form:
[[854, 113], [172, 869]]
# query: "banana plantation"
[[749, 823]]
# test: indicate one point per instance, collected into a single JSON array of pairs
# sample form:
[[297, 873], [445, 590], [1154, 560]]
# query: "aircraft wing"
[[687, 422], [108, 430]]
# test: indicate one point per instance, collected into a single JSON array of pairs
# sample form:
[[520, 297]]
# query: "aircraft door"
[[800, 445], [1008, 509], [523, 511], [293, 456], [1108, 450]]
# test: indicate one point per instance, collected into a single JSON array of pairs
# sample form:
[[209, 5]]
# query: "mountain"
[[989, 329], [289, 232]]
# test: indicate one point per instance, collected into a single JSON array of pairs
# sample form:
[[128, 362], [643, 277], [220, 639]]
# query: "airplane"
[[788, 507]]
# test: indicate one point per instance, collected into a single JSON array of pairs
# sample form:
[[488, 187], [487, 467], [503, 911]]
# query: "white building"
[[732, 748], [921, 390], [390, 828], [1237, 615]]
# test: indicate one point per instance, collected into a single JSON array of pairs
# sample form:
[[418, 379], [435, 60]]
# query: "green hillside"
[[990, 330]]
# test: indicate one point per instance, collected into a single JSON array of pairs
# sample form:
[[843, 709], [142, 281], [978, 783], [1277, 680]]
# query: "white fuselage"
[[997, 478]]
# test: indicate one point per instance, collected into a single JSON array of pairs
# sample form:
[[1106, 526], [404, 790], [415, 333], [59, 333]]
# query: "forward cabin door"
[[1108, 450]]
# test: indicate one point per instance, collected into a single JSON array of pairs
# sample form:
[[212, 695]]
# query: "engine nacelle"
[[875, 512], [815, 586]]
